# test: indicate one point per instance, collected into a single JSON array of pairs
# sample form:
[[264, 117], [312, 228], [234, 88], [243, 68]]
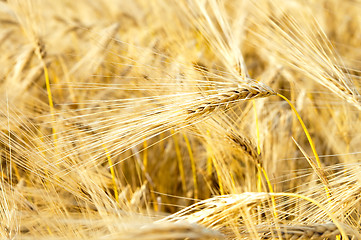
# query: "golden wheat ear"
[[172, 230], [312, 231], [209, 211], [248, 91], [245, 144]]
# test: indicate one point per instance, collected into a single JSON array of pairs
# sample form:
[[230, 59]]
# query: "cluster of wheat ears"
[[190, 119]]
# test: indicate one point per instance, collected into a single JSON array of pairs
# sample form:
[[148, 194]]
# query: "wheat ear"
[[245, 144], [247, 91], [209, 211], [171, 230], [314, 231]]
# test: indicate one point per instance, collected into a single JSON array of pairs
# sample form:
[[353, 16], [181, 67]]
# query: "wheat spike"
[[207, 212], [40, 48], [245, 144], [314, 231], [170, 230], [247, 91]]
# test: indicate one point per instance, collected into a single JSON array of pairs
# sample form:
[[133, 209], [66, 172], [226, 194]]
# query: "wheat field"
[[189, 119]]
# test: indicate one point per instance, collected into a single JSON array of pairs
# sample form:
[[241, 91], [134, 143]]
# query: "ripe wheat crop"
[[190, 119]]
